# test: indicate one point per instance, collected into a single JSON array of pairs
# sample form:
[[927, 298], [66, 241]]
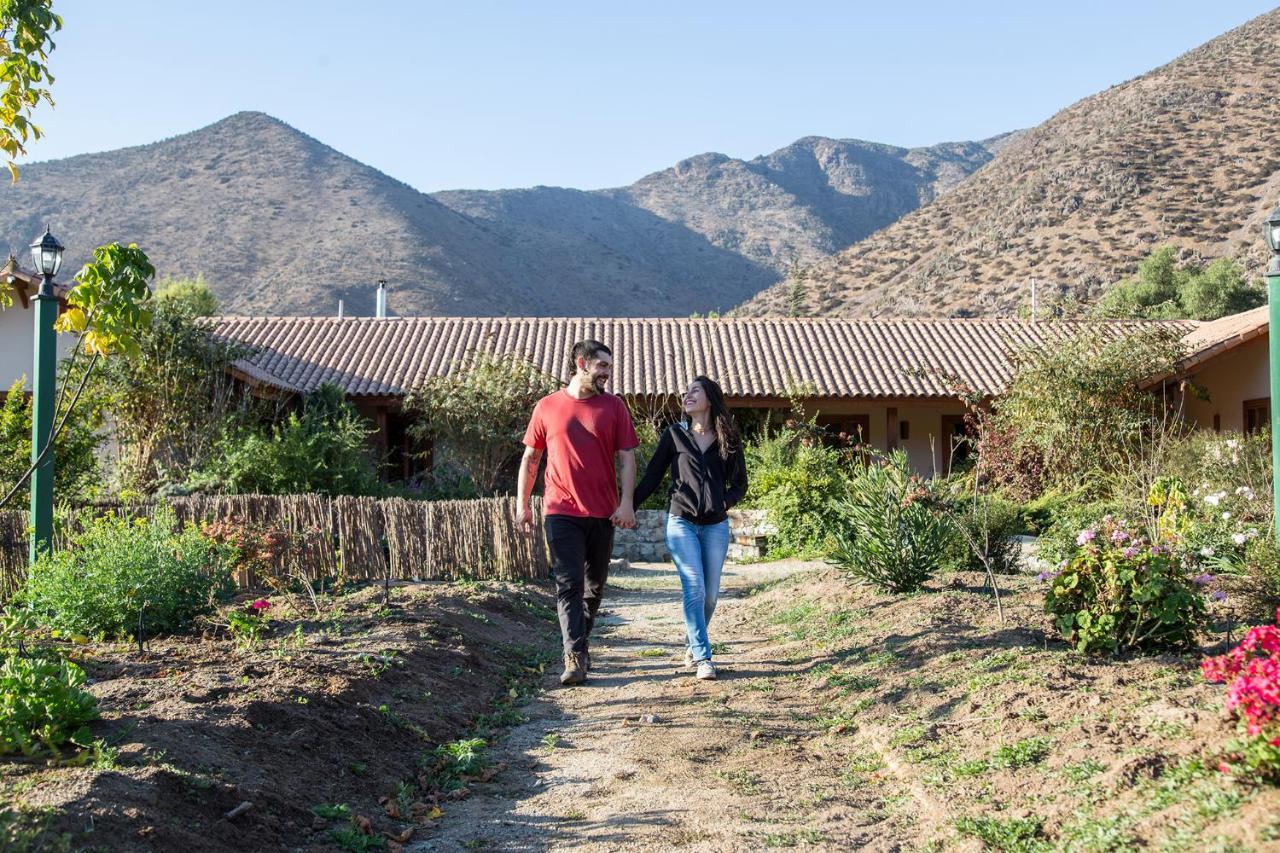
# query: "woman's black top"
[[704, 487]]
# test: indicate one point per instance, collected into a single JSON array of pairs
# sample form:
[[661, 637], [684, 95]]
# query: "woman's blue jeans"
[[699, 551]]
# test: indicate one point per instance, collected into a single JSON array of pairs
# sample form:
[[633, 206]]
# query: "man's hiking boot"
[[706, 671], [575, 671]]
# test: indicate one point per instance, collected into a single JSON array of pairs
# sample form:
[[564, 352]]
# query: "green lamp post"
[[1271, 231], [46, 257]]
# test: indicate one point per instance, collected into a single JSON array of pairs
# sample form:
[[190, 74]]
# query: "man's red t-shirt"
[[581, 438]]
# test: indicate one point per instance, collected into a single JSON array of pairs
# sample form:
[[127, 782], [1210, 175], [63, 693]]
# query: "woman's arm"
[[735, 489], [653, 472]]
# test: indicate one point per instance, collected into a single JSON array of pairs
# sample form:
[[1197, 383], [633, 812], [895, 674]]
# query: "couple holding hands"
[[582, 431]]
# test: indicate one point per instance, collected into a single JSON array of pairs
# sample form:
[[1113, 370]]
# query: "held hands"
[[624, 516]]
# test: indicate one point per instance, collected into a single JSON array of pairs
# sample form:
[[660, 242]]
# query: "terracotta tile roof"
[[750, 357], [1215, 337]]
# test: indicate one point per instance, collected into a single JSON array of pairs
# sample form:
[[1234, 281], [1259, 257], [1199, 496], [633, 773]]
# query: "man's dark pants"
[[580, 550]]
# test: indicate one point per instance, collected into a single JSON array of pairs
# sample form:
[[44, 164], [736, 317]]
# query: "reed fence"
[[345, 537]]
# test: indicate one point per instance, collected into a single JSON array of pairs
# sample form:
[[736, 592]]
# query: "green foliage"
[[1097, 418], [887, 530], [1058, 540], [1120, 593], [648, 432], [76, 474], [1025, 752], [321, 450], [1015, 834], [1164, 290], [171, 405], [118, 575], [984, 527], [479, 413], [1253, 758], [449, 765], [42, 703], [110, 305], [26, 28], [799, 482], [189, 296]]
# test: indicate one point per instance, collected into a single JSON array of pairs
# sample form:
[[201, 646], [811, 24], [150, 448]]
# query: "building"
[[17, 325], [898, 383]]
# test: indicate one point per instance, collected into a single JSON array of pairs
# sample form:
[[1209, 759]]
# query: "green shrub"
[[887, 531], [42, 703], [322, 449], [986, 526], [799, 482], [1121, 593], [118, 574], [1164, 290]]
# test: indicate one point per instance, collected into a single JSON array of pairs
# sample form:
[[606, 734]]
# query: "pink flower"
[[260, 605], [1086, 536], [1119, 536]]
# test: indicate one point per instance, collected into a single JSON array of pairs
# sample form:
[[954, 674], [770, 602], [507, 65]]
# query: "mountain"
[[794, 206], [1188, 154], [277, 222]]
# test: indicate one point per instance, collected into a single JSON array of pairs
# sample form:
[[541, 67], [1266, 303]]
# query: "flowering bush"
[[248, 623], [257, 548], [1253, 668], [1120, 592]]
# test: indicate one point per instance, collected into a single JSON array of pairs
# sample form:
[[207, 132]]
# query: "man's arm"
[[524, 486], [625, 514]]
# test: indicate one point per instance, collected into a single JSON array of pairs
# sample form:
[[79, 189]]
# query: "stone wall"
[[647, 543]]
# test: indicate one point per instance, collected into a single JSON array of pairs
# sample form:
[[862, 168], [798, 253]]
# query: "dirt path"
[[725, 765]]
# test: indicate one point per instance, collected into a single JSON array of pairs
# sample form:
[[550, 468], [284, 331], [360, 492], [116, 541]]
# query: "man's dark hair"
[[587, 349]]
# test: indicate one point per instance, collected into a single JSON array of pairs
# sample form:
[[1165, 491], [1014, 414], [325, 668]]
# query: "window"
[[1257, 415], [846, 430]]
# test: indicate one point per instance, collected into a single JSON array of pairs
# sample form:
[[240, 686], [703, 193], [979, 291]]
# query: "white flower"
[[1212, 500], [1252, 533], [1226, 516], [1238, 538], [1206, 551], [1232, 443]]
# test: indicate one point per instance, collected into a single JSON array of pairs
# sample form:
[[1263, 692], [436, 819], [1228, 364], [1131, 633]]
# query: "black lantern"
[[1271, 229], [46, 254]]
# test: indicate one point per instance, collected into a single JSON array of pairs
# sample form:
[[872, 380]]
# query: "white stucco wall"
[[17, 347]]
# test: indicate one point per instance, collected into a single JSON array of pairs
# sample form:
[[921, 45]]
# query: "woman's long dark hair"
[[726, 430]]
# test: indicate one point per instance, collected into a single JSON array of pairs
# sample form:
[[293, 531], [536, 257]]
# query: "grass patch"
[[1024, 753], [652, 653], [742, 781], [1013, 834]]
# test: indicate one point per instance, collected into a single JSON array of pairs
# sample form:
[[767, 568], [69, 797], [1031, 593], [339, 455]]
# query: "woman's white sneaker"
[[706, 671]]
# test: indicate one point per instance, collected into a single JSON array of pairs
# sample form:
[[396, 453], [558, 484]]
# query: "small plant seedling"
[[551, 740], [334, 811]]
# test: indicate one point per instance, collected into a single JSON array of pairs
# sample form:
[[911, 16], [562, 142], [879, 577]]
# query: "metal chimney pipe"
[[380, 311], [342, 309]]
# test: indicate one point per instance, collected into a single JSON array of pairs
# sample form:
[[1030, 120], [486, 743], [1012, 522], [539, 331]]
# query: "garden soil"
[[842, 720]]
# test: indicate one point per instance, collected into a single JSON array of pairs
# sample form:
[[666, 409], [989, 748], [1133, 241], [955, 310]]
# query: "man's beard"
[[598, 383]]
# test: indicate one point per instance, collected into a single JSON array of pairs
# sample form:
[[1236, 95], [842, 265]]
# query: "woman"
[[708, 476]]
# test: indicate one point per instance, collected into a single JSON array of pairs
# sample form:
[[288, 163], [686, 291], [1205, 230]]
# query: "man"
[[582, 430]]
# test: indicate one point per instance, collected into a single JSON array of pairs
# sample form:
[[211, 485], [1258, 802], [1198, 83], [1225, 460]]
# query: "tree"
[[191, 295], [25, 44], [1096, 415], [1164, 290], [479, 412], [172, 404]]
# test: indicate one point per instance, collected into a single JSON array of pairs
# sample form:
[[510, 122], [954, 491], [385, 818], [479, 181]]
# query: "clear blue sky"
[[477, 94]]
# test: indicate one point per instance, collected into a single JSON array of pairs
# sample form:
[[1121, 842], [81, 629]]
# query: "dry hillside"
[[280, 223], [1187, 154]]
